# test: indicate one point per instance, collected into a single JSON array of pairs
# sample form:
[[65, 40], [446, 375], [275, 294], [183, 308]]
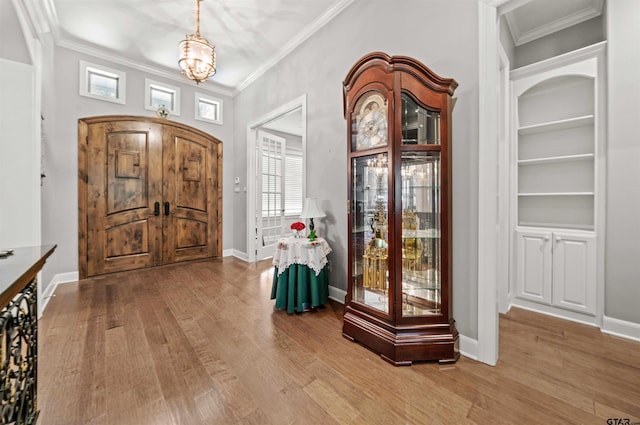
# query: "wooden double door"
[[149, 194]]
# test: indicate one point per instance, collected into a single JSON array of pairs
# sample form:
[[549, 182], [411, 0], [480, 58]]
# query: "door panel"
[[124, 164], [574, 272], [190, 187], [533, 266], [191, 176], [128, 239]]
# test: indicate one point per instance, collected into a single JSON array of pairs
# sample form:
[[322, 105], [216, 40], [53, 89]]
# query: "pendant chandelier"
[[197, 55]]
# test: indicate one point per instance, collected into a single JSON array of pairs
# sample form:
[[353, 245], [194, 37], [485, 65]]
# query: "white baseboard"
[[621, 328], [337, 294], [53, 284], [560, 313], [617, 327], [468, 347], [235, 253]]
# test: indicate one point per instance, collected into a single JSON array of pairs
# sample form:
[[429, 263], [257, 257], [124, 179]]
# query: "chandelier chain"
[[198, 18]]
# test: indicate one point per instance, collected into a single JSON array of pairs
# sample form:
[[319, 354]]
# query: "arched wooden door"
[[149, 194]]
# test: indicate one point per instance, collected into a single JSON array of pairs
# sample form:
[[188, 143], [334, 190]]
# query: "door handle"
[[156, 208], [166, 209]]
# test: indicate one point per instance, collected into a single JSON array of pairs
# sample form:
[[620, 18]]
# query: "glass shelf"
[[424, 280], [423, 234], [416, 187]]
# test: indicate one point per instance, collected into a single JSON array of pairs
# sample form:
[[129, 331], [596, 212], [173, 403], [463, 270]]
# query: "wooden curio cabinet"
[[399, 187]]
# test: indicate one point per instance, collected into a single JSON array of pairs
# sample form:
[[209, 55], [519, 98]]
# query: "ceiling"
[[289, 123], [529, 20], [250, 35]]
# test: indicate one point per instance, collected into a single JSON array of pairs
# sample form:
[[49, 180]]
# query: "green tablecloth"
[[298, 288]]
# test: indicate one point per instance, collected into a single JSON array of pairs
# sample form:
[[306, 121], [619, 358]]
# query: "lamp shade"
[[197, 58], [310, 209]]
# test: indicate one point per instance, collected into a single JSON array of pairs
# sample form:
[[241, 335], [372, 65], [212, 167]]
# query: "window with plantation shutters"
[[280, 182], [271, 154], [293, 183]]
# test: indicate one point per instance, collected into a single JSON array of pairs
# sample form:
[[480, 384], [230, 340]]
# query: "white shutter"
[[293, 183]]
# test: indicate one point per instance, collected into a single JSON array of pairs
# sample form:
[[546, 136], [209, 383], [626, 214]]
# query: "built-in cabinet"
[[556, 268], [558, 170]]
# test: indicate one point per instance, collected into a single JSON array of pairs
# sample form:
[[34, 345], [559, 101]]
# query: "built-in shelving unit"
[[556, 153], [558, 184]]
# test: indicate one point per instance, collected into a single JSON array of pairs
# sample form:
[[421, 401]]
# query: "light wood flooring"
[[200, 343]]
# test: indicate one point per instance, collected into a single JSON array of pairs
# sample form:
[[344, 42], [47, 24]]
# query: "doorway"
[[276, 151]]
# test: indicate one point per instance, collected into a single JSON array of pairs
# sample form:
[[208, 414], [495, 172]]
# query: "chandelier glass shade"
[[197, 55]]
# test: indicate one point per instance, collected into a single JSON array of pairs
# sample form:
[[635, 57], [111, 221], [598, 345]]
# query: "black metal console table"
[[19, 333]]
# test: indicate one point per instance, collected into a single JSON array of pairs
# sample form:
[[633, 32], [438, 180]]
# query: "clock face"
[[370, 119]]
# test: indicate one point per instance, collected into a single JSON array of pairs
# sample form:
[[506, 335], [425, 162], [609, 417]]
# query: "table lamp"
[[311, 210]]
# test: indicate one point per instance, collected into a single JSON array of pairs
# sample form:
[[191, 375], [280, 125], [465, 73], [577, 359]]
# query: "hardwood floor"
[[201, 344]]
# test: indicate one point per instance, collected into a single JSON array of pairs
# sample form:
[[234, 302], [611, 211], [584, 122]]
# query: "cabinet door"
[[421, 235], [190, 196], [533, 265], [574, 272], [124, 171]]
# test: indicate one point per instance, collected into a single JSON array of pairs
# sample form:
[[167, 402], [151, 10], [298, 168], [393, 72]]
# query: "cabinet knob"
[[546, 238], [558, 239]]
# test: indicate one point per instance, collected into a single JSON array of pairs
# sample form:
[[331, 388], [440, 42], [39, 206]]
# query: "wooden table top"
[[19, 268]]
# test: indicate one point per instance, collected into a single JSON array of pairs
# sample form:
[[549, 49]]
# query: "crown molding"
[[48, 11], [114, 58], [311, 29], [52, 17], [38, 21]]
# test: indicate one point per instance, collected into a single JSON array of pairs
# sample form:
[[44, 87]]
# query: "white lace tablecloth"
[[301, 251]]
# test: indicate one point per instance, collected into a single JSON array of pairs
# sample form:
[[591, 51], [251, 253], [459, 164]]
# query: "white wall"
[[61, 214], [19, 157], [47, 193], [505, 39], [622, 274], [580, 35], [19, 138], [12, 43], [440, 33]]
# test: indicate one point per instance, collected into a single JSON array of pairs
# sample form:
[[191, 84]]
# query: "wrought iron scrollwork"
[[19, 356]]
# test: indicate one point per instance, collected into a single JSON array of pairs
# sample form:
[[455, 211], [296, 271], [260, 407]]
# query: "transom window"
[[161, 95], [208, 109], [101, 82]]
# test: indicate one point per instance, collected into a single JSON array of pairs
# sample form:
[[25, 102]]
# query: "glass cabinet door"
[[369, 233], [420, 126], [421, 276]]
